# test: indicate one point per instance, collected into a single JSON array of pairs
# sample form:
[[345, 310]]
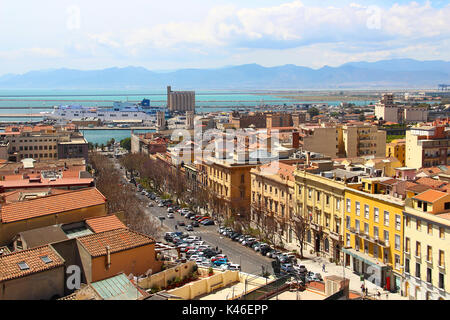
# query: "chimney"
[[108, 257]]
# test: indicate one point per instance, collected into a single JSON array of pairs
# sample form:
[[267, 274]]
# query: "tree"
[[362, 117], [313, 112], [126, 144], [300, 225]]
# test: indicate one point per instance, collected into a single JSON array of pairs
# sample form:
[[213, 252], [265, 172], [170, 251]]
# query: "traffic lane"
[[250, 261]]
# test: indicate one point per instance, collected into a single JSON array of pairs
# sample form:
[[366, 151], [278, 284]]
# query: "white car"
[[234, 267], [194, 257], [225, 266], [170, 209], [160, 205], [170, 215]]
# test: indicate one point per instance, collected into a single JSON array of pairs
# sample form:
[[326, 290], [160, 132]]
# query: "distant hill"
[[397, 73]]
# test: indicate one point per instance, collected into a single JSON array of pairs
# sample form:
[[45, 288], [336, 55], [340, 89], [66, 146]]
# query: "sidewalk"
[[314, 264]]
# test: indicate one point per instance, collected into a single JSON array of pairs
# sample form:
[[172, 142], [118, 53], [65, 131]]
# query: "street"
[[250, 261]]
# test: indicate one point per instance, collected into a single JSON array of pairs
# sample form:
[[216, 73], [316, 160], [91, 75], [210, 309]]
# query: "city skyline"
[[202, 34]]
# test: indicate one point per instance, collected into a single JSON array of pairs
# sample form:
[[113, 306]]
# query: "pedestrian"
[[323, 267], [217, 248], [176, 227], [367, 291], [362, 288], [378, 294]]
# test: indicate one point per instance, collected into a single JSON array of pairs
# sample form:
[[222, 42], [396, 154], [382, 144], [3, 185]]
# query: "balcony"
[[316, 227], [335, 236], [383, 243]]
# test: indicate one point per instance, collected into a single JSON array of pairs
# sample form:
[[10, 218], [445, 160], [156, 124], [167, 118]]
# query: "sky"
[[177, 34]]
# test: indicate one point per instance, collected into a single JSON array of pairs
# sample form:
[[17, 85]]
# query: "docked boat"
[[119, 111]]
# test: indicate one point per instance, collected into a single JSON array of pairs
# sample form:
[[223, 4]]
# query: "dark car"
[[207, 222], [288, 268], [235, 236], [181, 223], [195, 224], [264, 250]]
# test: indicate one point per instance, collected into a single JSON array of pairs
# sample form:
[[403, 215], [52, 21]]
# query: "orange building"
[[108, 253]]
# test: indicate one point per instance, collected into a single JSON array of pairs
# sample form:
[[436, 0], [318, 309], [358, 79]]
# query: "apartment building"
[[180, 100], [426, 246], [319, 197], [229, 181], [397, 149], [44, 143], [373, 233], [273, 190], [363, 140], [320, 139], [427, 146], [388, 111]]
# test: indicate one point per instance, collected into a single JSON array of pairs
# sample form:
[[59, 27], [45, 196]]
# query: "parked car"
[[264, 250], [181, 223], [189, 228], [273, 254], [170, 210], [168, 236], [219, 262], [234, 267], [190, 252], [170, 215], [288, 268], [195, 224], [207, 222]]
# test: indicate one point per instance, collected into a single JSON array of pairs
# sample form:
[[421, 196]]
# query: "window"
[[386, 218], [418, 251], [407, 265], [23, 265], [375, 251], [429, 275], [327, 199], [417, 270], [429, 254], [441, 281], [418, 225], [318, 195], [366, 228], [376, 214], [397, 242], [375, 232], [429, 228], [441, 233], [408, 221], [386, 236], [357, 225], [397, 261], [357, 208], [441, 258], [348, 222], [366, 211], [309, 193], [242, 178], [407, 245], [338, 204], [398, 222], [349, 205], [347, 240], [46, 259]]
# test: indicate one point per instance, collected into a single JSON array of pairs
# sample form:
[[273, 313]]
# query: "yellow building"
[[321, 200], [427, 250], [397, 149], [273, 193], [229, 182], [384, 165], [374, 234]]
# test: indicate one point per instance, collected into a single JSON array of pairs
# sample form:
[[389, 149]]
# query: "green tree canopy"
[[126, 143]]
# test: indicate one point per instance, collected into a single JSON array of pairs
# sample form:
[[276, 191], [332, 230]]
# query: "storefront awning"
[[365, 258]]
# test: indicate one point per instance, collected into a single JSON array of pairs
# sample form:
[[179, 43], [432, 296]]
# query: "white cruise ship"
[[119, 111]]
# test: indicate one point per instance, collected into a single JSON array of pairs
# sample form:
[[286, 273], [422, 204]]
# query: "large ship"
[[119, 111]]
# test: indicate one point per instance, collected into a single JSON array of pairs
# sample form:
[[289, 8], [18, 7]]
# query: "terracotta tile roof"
[[51, 204], [418, 188], [9, 268], [431, 195], [106, 223], [117, 240], [433, 183]]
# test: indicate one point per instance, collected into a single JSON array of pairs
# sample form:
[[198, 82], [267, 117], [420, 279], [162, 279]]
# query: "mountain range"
[[396, 73]]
